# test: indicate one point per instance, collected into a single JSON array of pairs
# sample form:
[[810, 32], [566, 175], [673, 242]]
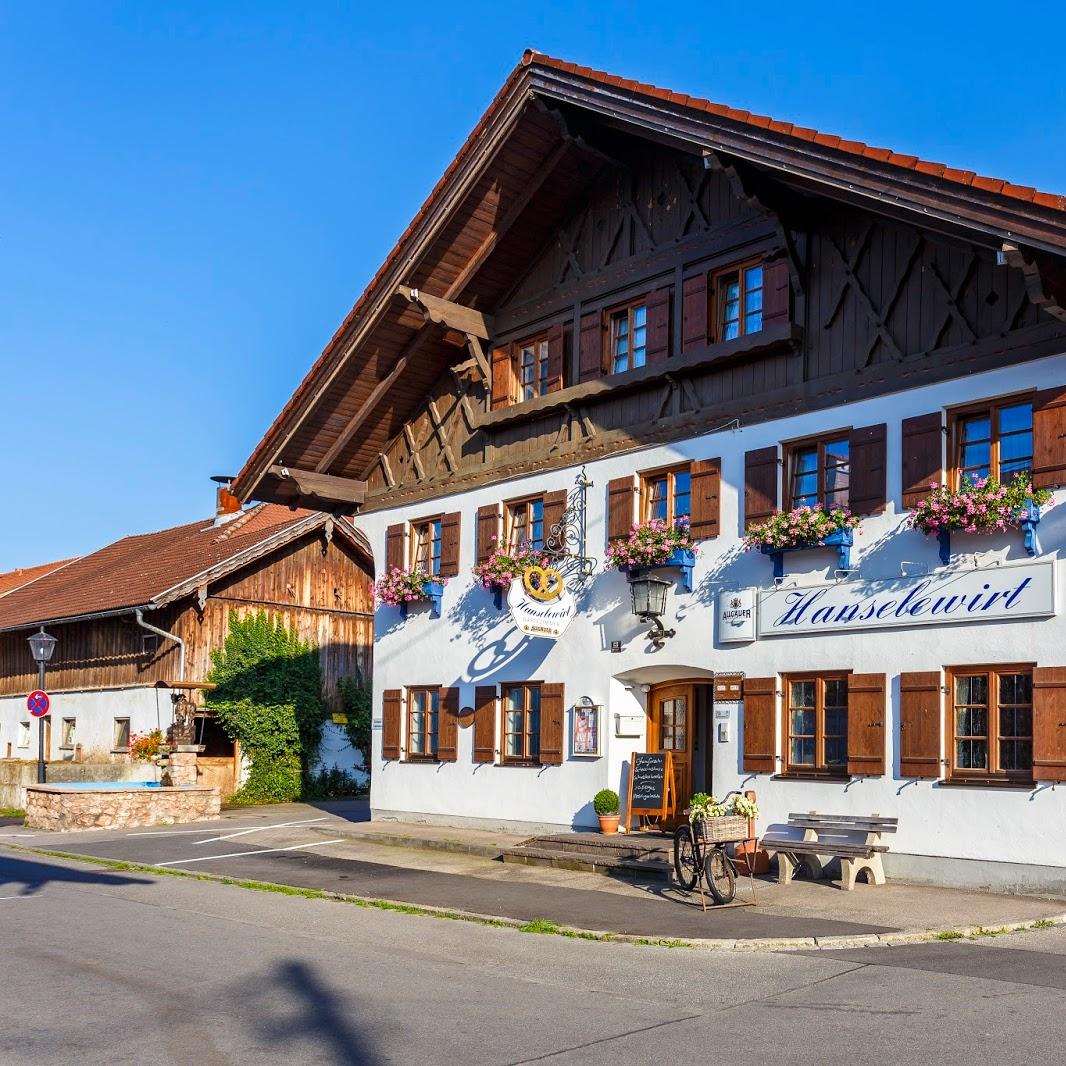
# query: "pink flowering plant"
[[398, 586], [650, 543], [980, 505], [506, 564], [803, 525]]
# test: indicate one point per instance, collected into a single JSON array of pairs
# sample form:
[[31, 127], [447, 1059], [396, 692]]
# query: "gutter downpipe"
[[139, 614]]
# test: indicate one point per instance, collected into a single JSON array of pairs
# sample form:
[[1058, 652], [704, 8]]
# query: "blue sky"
[[192, 195]]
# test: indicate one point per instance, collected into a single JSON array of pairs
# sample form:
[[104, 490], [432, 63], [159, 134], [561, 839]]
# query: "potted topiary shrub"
[[606, 804]]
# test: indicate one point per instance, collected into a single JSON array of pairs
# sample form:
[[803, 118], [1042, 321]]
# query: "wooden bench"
[[816, 848]]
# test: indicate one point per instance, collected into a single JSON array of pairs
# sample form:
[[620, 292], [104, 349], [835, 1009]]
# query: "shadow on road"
[[33, 876], [315, 1014]]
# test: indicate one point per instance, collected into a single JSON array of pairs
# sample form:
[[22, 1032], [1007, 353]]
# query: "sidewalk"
[[332, 847]]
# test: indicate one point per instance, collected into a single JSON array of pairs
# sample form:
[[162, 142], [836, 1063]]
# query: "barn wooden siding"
[[877, 305], [327, 597]]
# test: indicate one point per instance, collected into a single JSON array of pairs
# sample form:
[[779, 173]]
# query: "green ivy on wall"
[[357, 699], [268, 697]]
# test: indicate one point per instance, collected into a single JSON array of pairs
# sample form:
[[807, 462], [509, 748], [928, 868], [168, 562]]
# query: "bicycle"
[[702, 855]]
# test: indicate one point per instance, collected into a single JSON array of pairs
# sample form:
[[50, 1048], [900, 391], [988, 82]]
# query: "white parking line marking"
[[242, 854], [261, 829]]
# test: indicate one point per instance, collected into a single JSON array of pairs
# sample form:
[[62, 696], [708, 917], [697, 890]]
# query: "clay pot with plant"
[[606, 804]]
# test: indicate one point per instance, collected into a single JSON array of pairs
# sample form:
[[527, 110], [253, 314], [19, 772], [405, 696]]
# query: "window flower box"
[[401, 588], [503, 566], [655, 545], [983, 505], [804, 529]]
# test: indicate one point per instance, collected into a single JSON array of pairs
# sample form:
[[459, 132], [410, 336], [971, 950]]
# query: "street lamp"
[[41, 647], [649, 605]]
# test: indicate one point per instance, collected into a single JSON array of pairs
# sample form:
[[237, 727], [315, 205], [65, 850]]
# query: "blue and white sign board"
[[951, 597]]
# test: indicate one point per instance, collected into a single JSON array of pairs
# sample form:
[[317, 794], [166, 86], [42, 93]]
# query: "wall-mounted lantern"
[[649, 605]]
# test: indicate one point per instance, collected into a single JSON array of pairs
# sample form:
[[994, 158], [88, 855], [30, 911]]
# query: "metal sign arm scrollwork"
[[565, 543]]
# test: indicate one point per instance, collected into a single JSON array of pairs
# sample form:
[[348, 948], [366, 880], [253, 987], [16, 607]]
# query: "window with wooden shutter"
[[867, 491], [556, 358], [990, 722], [395, 547], [591, 346], [760, 731], [391, 711], [694, 306], [706, 485], [503, 385], [449, 544], [818, 472], [554, 512], [760, 485], [485, 723], [621, 494], [777, 293], [427, 535], [817, 724], [666, 495], [738, 293], [866, 725], [919, 724], [448, 725], [1049, 723], [488, 530], [423, 721], [992, 440], [923, 456], [1049, 438], [552, 719], [659, 326]]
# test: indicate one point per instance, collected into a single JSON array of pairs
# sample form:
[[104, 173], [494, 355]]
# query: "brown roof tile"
[[136, 570], [24, 575]]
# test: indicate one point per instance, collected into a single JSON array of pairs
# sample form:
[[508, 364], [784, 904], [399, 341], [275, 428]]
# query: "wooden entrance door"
[[672, 728]]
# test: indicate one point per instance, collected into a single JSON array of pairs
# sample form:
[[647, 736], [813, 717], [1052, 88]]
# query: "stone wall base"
[[64, 809]]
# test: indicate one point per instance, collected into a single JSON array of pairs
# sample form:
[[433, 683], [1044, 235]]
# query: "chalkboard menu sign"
[[649, 780], [651, 784]]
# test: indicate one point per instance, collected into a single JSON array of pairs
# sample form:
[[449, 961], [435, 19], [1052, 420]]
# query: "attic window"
[[149, 644]]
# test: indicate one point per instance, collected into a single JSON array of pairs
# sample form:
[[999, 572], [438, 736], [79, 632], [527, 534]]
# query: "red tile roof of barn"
[[136, 570], [14, 579]]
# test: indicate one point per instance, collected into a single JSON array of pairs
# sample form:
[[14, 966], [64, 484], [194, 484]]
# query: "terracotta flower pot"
[[609, 823]]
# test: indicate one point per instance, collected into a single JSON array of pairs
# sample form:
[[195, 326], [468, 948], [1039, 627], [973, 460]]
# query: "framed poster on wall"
[[585, 730]]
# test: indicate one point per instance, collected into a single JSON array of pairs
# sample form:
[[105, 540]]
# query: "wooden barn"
[[136, 623]]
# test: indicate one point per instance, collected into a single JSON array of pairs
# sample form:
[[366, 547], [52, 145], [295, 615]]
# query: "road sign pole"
[[42, 772]]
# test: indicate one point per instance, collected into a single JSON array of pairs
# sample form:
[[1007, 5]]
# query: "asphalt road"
[[100, 966], [288, 856]]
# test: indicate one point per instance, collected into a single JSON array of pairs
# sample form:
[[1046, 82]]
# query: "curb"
[[396, 840], [755, 944]]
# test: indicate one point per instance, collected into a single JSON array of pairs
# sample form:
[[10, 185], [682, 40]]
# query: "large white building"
[[622, 304]]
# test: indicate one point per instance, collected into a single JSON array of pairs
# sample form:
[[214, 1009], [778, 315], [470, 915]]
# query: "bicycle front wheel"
[[721, 879], [686, 869]]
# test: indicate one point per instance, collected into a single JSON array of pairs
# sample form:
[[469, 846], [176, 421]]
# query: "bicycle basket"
[[729, 827]]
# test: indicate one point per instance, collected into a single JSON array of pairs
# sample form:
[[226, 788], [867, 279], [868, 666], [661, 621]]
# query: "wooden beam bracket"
[[322, 486], [443, 312]]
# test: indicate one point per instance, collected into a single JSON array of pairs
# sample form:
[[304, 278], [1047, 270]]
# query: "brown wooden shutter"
[[556, 356], [448, 725], [449, 544], [591, 346], [485, 723], [866, 724], [760, 727], [923, 456], [706, 481], [621, 491], [1049, 723], [391, 709], [919, 724], [502, 376], [867, 492], [776, 293], [760, 485], [552, 716], [554, 509], [694, 331], [1049, 438], [658, 326], [488, 530], [395, 543]]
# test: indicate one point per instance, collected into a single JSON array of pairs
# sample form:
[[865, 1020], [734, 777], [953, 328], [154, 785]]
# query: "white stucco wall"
[[473, 643]]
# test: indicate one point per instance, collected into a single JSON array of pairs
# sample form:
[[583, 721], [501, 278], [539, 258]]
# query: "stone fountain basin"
[[117, 805]]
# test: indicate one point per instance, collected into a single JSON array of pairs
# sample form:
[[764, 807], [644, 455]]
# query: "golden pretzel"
[[543, 583]]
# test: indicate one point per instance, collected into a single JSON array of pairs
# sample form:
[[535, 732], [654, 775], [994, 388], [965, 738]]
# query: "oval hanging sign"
[[540, 603]]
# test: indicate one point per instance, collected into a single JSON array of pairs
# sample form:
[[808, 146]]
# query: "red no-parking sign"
[[37, 703]]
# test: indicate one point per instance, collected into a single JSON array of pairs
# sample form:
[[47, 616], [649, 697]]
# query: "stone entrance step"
[[635, 854]]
